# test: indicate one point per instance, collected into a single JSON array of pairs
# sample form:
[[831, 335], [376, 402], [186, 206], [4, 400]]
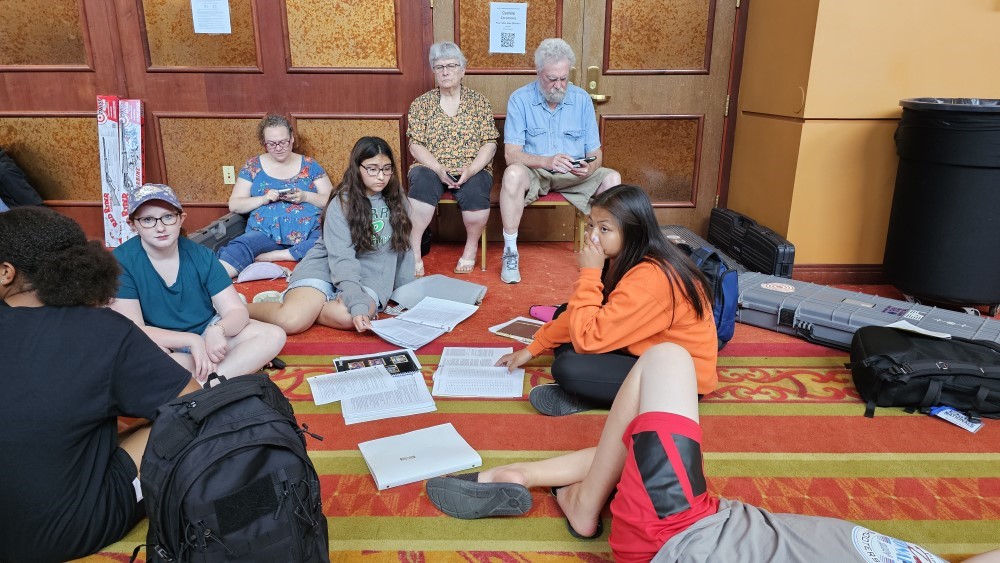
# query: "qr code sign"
[[507, 40]]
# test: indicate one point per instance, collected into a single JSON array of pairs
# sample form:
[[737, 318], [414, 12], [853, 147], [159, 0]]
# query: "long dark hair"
[[54, 258], [358, 209], [642, 240]]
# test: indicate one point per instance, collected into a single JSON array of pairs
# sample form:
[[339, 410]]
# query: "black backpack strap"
[[932, 396], [923, 367], [870, 408], [979, 404]]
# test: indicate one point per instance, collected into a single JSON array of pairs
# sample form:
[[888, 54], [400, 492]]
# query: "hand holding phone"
[[578, 162], [287, 193], [454, 176]]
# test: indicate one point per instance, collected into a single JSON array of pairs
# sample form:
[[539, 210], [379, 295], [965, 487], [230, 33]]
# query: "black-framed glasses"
[[167, 219], [271, 145], [374, 170], [452, 67]]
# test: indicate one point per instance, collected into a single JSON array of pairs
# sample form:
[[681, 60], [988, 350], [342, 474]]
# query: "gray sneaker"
[[509, 272]]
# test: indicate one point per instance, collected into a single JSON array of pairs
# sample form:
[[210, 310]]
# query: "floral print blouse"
[[286, 223], [454, 141]]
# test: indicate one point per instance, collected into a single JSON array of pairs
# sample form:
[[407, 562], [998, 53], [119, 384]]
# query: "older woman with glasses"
[[453, 139], [284, 194]]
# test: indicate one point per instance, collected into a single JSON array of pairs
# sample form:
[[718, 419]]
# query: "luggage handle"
[[201, 408]]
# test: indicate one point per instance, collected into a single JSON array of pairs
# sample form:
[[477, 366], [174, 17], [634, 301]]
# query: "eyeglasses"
[[271, 145], [374, 170], [449, 67], [150, 222]]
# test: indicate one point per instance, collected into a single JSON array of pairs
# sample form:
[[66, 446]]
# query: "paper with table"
[[428, 320], [471, 372], [418, 455], [332, 387]]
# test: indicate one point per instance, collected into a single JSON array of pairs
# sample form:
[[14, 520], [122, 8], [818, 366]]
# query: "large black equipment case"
[[755, 246], [219, 232]]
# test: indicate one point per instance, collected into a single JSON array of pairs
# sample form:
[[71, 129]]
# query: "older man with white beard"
[[551, 142]]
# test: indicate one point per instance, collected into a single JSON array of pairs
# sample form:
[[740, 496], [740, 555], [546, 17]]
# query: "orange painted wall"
[[814, 157]]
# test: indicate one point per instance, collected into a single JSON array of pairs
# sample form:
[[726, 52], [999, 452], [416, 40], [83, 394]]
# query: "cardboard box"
[[133, 158], [116, 231]]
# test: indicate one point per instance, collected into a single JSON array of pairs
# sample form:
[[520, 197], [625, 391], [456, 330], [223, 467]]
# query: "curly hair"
[[643, 240], [54, 258], [553, 50], [358, 208], [273, 120]]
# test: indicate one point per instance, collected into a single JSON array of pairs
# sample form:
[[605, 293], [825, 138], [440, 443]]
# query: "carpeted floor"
[[784, 431]]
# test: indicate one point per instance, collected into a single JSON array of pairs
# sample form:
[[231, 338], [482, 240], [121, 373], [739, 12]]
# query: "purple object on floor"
[[543, 313]]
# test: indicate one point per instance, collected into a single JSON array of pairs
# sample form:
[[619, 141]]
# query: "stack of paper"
[[375, 386], [431, 318], [418, 455], [470, 372]]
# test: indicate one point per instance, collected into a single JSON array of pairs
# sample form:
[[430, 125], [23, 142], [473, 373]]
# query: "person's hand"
[[362, 323], [203, 365], [272, 195], [462, 178], [294, 197], [514, 360], [442, 173], [581, 171], [592, 254], [216, 343], [561, 163]]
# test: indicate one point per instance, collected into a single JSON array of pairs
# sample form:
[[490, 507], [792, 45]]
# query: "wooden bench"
[[551, 199]]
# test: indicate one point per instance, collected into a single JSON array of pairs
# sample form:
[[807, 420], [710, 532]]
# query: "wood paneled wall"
[[338, 69]]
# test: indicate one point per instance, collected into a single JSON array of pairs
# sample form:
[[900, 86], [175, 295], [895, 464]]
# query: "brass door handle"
[[593, 79]]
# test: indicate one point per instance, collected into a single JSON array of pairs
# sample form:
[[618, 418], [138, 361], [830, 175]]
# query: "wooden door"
[[663, 69]]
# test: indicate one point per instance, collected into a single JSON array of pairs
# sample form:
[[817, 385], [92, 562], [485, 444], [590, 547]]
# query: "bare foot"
[[582, 520], [502, 474]]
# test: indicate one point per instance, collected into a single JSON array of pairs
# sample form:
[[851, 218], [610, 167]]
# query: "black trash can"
[[944, 231]]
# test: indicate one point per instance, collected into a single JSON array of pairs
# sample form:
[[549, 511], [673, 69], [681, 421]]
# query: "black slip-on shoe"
[[463, 496], [553, 400], [597, 532]]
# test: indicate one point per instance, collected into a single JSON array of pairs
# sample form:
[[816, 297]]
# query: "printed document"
[[409, 397], [333, 387], [462, 381], [482, 357]]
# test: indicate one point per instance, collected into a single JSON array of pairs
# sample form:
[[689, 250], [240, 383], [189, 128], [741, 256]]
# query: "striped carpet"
[[784, 431]]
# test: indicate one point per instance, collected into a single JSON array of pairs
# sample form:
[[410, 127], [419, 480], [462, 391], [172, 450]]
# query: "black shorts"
[[116, 511], [474, 195]]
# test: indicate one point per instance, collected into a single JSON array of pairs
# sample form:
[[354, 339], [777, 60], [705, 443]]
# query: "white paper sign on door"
[[508, 27]]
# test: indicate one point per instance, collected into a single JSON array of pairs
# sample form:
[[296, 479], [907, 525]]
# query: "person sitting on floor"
[[284, 194], [549, 130], [71, 367], [451, 131], [178, 293], [650, 452], [635, 290], [363, 255]]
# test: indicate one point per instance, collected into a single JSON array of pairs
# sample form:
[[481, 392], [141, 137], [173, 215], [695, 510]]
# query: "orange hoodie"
[[643, 310]]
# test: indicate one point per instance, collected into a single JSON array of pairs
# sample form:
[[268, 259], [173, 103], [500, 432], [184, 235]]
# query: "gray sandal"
[[463, 496]]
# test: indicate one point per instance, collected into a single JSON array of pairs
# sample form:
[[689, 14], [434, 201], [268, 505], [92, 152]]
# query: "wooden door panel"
[[652, 35], [365, 34], [660, 153], [170, 45], [472, 33], [57, 38]]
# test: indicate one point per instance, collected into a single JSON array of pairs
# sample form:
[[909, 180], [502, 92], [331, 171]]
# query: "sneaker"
[[553, 400], [270, 296], [243, 298], [509, 272]]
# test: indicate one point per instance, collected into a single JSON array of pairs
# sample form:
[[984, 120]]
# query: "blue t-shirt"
[[286, 223], [570, 129], [185, 306]]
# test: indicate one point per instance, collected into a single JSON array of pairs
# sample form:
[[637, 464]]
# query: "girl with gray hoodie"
[[363, 255]]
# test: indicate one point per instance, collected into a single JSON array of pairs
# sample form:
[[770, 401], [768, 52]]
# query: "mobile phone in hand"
[[454, 176], [578, 162]]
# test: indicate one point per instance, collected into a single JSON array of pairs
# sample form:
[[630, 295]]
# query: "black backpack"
[[899, 368], [226, 476], [15, 190]]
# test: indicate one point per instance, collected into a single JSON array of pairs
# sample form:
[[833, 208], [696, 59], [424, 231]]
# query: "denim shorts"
[[242, 250], [328, 289], [187, 349]]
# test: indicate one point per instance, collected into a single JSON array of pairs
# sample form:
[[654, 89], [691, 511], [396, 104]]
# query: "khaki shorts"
[[576, 191]]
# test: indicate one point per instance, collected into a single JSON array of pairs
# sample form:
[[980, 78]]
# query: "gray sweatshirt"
[[334, 258]]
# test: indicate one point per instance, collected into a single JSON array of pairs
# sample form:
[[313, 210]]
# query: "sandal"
[[463, 496], [465, 267], [418, 269], [597, 532]]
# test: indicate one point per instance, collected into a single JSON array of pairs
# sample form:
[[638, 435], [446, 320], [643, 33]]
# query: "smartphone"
[[285, 191], [454, 177], [577, 162]]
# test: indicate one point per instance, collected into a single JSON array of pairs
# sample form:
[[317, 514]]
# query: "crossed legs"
[[301, 308]]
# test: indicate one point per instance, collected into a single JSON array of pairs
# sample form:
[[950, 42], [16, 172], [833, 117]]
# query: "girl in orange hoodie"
[[635, 290]]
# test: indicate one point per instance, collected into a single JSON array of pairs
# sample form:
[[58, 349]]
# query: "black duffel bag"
[[899, 368]]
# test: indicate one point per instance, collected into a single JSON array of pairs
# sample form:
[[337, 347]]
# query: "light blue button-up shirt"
[[570, 128]]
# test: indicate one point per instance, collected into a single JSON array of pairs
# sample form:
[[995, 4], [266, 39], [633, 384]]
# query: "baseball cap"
[[151, 192]]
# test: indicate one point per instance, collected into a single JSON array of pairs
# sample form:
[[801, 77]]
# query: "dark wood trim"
[[88, 45], [91, 114], [143, 36], [729, 125], [207, 69], [697, 155], [336, 70], [826, 274], [307, 115], [497, 70], [46, 68], [607, 48]]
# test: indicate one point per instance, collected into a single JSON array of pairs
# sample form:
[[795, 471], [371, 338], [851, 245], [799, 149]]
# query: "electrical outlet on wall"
[[228, 175]]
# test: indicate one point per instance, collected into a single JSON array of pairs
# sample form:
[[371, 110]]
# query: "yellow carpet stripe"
[[349, 462]]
